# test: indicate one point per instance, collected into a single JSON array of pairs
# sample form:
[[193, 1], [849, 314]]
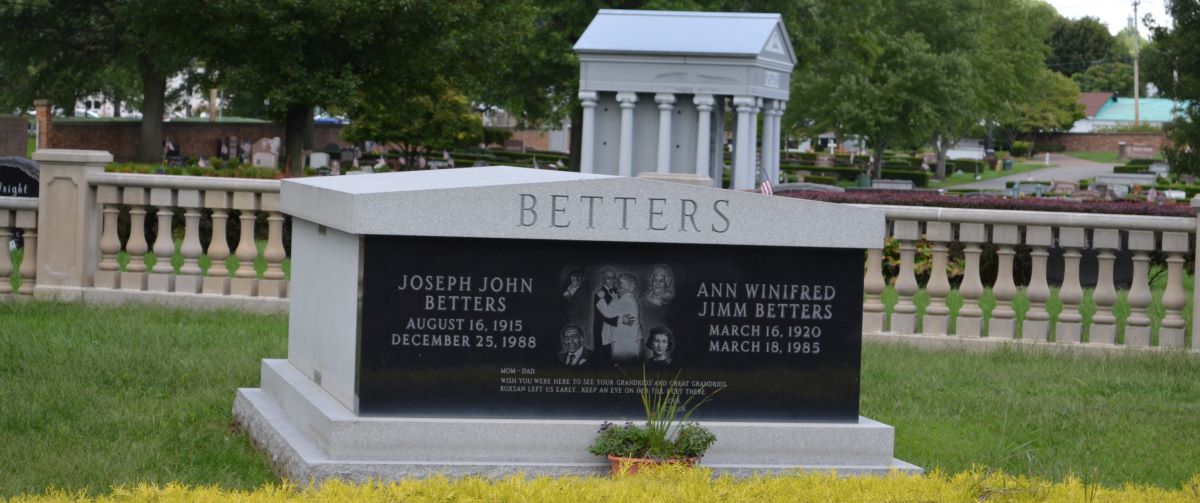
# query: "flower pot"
[[630, 466]]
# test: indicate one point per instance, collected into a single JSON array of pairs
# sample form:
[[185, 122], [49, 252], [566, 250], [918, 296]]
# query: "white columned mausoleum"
[[655, 87]]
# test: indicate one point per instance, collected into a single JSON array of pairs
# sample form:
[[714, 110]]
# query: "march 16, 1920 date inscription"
[[563, 329]]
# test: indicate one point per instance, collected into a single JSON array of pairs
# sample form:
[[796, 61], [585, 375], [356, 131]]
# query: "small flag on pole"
[[765, 188]]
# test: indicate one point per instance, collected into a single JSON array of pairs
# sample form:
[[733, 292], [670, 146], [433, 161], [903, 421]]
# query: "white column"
[[767, 133], [704, 106], [780, 106], [625, 154], [666, 107], [743, 161], [752, 153], [587, 144]]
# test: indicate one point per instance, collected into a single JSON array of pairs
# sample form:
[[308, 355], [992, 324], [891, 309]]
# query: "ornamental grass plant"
[[667, 433]]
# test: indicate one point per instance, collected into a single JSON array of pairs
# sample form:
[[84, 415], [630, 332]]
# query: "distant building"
[[1106, 110]]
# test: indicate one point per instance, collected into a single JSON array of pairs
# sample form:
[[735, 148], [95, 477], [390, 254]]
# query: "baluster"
[[873, 285], [1170, 333], [162, 275], [272, 284], [216, 282], [1104, 322], [1070, 321], [1001, 326], [27, 222], [1137, 326], [6, 265], [244, 281], [188, 280], [970, 316], [108, 274], [937, 313], [904, 315], [1037, 319], [134, 277]]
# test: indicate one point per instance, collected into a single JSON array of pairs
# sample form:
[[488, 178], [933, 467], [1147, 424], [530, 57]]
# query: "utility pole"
[[1136, 53]]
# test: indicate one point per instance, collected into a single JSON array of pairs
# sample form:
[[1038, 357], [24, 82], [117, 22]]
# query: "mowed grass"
[[953, 179], [97, 396], [1096, 156], [1112, 420], [92, 397]]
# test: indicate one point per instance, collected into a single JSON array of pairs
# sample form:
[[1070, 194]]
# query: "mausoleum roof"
[[685, 33]]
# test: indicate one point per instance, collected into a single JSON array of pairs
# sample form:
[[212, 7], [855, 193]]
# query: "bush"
[[1052, 147], [824, 180], [1140, 162], [1131, 169], [1019, 149], [933, 199], [918, 177]]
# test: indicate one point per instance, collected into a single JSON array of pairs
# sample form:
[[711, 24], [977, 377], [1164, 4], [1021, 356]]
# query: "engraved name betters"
[[624, 213]]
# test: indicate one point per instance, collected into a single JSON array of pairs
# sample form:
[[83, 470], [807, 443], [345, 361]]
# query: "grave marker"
[[18, 177]]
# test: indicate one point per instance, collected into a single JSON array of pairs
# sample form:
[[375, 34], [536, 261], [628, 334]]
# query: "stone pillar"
[[1104, 322], [752, 173], [245, 280], [1137, 325], [939, 234], [1069, 327], [1001, 325], [904, 314], [272, 283], [970, 316], [6, 264], [873, 285], [216, 282], [587, 143], [162, 275], [625, 153], [134, 277], [704, 106], [189, 280], [1196, 291], [1171, 332], [716, 165], [666, 107], [743, 161], [44, 113], [109, 275], [68, 217], [1037, 320], [768, 131]]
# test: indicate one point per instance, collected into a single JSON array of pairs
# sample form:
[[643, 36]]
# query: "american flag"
[[765, 187]]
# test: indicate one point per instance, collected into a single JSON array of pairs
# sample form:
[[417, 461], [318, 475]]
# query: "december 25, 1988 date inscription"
[[536, 329]]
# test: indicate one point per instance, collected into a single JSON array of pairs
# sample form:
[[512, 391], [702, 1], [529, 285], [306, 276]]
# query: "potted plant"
[[667, 437]]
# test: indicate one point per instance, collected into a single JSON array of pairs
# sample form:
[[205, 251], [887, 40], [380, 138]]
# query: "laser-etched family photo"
[[617, 314]]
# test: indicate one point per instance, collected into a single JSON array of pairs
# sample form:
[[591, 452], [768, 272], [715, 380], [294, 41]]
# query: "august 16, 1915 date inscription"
[[567, 329]]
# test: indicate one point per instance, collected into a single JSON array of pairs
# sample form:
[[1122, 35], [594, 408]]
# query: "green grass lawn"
[[142, 394], [1096, 156], [30, 146], [986, 174]]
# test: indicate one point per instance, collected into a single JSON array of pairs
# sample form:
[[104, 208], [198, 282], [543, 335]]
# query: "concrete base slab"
[[309, 435], [187, 283], [108, 279], [243, 286], [939, 342], [135, 281], [109, 297], [215, 285], [158, 282]]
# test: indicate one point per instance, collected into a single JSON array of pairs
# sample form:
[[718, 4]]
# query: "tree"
[[434, 117], [64, 45], [1077, 44], [1056, 107], [1106, 77], [1174, 63]]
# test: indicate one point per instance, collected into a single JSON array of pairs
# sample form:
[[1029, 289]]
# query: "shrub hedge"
[[668, 484], [931, 198], [242, 171], [826, 180], [1128, 169]]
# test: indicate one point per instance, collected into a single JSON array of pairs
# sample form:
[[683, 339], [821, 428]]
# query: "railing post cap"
[[73, 156]]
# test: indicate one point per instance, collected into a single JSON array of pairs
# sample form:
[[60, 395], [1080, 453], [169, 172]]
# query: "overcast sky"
[[1114, 13]]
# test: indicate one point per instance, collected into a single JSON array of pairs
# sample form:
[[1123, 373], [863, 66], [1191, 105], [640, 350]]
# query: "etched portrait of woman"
[[662, 286]]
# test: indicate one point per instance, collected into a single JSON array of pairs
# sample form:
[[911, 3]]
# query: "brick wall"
[[13, 136], [195, 139], [1106, 142]]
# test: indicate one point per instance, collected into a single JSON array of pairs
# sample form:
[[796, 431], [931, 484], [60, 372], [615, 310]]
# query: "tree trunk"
[[576, 138], [154, 87], [297, 126], [877, 164], [117, 106], [939, 148]]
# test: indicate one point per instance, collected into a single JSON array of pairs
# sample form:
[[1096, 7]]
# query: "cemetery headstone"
[[456, 364], [13, 136], [318, 160], [1141, 151], [514, 145], [18, 177], [824, 161], [265, 153]]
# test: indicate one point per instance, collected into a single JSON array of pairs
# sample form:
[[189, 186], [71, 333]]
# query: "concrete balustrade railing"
[[19, 214], [1040, 231], [85, 206]]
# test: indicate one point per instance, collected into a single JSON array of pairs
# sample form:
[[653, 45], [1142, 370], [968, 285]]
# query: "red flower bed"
[[929, 198]]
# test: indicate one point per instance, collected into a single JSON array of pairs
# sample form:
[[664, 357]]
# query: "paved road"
[[1065, 168]]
